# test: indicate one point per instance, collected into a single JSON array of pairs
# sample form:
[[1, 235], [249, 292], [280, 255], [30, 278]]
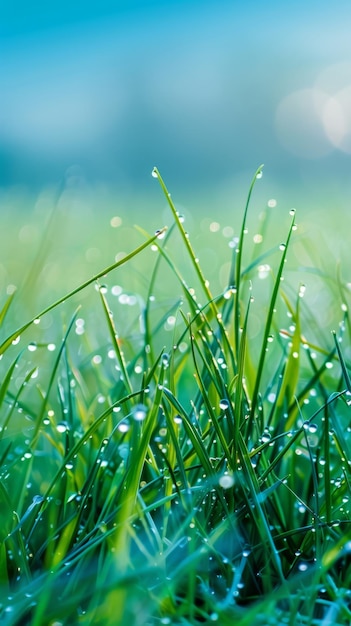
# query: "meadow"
[[175, 421]]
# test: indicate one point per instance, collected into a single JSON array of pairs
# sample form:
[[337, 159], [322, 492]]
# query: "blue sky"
[[201, 89]]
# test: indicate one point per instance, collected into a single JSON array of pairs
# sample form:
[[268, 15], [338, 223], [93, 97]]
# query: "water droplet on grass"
[[165, 360], [62, 427], [259, 174], [160, 234], [282, 246], [266, 437], [154, 173], [123, 451], [263, 271], [139, 412], [226, 481], [123, 427], [223, 404], [303, 567]]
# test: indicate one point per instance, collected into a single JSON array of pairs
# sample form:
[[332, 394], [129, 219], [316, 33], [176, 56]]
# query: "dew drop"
[[139, 412], [165, 360], [259, 174], [154, 173], [266, 437], [303, 567], [282, 246], [62, 427], [160, 234], [263, 271], [223, 404], [226, 481], [123, 451], [123, 427]]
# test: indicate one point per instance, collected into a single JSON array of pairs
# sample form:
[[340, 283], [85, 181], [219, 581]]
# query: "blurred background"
[[205, 90], [94, 94]]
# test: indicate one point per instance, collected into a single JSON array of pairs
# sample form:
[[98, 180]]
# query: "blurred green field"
[[56, 240]]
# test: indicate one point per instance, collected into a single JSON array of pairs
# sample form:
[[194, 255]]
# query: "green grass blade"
[[5, 344], [238, 262], [268, 322]]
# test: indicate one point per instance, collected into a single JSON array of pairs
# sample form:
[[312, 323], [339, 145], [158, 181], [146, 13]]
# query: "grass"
[[186, 464]]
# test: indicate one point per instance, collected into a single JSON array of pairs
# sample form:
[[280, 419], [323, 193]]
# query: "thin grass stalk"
[[204, 393], [195, 264], [268, 324], [194, 261], [115, 342], [238, 263], [239, 392], [260, 516]]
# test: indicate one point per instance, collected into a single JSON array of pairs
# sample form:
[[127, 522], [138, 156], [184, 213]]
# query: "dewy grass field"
[[186, 464]]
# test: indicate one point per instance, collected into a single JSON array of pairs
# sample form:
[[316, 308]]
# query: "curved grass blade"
[[5, 344]]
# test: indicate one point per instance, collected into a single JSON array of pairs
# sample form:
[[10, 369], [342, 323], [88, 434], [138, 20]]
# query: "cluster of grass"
[[194, 467]]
